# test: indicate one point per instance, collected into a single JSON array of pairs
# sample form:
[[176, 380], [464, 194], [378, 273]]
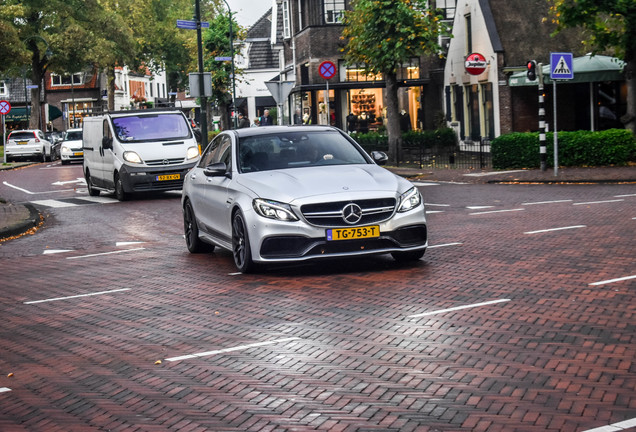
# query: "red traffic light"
[[531, 74]]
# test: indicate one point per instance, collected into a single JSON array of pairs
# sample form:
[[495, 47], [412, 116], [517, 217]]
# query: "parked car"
[[299, 193], [71, 147], [55, 138], [28, 144]]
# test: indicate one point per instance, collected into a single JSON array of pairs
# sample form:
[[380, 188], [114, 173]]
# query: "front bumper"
[[73, 155], [143, 179], [274, 241]]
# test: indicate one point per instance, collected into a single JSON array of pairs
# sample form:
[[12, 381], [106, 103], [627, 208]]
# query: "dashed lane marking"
[[4, 389], [496, 211], [227, 350], [444, 245], [76, 296], [105, 253], [453, 309], [609, 281], [598, 202], [555, 229], [546, 202]]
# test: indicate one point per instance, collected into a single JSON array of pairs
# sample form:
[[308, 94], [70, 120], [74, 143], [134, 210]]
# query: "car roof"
[[26, 130], [261, 130]]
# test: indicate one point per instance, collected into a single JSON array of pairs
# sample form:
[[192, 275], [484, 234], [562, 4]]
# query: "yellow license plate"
[[169, 177], [22, 142], [78, 154], [353, 233]]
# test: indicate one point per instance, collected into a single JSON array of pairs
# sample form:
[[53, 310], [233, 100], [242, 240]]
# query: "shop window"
[[65, 80], [489, 122], [334, 11]]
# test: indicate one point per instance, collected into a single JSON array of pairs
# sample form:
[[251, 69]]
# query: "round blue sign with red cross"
[[327, 69], [5, 107]]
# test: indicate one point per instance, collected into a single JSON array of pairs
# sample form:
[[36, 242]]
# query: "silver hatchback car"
[[298, 193]]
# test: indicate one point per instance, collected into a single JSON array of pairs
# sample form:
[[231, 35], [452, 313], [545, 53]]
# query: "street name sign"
[[191, 24]]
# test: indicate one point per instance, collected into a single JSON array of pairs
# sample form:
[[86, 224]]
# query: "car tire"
[[120, 194], [89, 185], [43, 157], [191, 231], [241, 250], [404, 257]]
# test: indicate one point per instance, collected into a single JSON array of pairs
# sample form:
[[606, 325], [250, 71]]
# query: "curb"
[[23, 226]]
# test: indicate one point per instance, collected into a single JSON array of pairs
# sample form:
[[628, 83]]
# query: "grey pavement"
[[19, 218]]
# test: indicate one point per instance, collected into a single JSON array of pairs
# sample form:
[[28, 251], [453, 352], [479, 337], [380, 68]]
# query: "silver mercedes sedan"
[[297, 193]]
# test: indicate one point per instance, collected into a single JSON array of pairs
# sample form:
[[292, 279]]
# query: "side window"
[[106, 130], [217, 151]]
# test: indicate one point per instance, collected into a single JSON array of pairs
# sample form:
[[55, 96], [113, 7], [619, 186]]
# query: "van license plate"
[[353, 233], [169, 177]]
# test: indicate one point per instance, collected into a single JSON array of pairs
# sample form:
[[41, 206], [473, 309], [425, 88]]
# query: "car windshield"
[[21, 135], [296, 149], [150, 127], [73, 136]]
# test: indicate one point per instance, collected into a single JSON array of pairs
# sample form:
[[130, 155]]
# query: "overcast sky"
[[247, 12]]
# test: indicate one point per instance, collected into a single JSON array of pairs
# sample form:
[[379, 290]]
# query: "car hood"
[[337, 182], [72, 143]]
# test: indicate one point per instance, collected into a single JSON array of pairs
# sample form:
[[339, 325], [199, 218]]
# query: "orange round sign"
[[475, 64]]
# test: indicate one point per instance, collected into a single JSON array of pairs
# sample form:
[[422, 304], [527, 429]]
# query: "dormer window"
[[65, 80]]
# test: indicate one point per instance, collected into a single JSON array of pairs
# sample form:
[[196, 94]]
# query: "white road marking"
[[615, 427], [555, 229], [56, 251], [624, 196], [598, 202], [444, 245], [496, 211], [99, 199], [546, 202], [478, 207], [609, 281], [128, 243], [425, 184], [78, 180], [491, 173], [34, 193], [105, 253], [4, 389], [434, 211], [76, 296], [437, 205], [54, 203], [227, 350], [459, 308]]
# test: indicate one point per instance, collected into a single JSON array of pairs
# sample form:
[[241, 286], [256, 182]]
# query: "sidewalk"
[[16, 219]]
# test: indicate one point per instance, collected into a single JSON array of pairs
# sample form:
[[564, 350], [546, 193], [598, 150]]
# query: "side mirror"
[[379, 157], [215, 170], [107, 143]]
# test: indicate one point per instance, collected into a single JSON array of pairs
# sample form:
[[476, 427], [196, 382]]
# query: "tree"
[[611, 25], [216, 43], [384, 34]]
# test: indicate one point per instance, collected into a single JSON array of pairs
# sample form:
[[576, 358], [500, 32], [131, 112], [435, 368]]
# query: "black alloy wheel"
[[191, 230], [241, 245]]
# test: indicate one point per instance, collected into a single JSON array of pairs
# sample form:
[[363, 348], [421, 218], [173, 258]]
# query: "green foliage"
[[579, 148], [443, 138]]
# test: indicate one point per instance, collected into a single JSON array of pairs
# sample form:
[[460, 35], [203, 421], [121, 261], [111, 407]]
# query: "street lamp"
[[234, 116]]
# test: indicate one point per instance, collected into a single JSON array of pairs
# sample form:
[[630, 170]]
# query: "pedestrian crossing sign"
[[561, 66]]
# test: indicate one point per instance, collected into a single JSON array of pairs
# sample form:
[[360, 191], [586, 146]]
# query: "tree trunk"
[[629, 119], [35, 120], [393, 118], [224, 110], [110, 78]]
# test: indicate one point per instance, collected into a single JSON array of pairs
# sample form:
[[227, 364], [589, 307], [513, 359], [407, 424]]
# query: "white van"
[[137, 151]]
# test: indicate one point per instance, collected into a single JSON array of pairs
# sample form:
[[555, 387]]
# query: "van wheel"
[[89, 184], [119, 189]]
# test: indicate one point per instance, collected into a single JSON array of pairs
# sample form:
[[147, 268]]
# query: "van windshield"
[[151, 127]]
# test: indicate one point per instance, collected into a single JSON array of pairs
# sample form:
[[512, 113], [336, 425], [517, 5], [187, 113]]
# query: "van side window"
[[106, 130]]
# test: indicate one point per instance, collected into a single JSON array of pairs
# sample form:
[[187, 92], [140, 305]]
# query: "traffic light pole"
[[542, 145]]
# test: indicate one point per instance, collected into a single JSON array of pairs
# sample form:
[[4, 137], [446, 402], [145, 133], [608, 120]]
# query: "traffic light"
[[531, 73]]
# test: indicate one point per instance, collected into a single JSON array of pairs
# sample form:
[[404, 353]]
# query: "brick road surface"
[[342, 346]]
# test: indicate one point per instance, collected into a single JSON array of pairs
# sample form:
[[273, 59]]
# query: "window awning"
[[586, 69], [20, 114]]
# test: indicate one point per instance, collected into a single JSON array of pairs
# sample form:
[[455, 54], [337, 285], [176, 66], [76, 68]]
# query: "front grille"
[[331, 214], [164, 162]]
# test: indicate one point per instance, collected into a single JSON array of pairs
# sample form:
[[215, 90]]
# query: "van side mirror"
[[107, 143]]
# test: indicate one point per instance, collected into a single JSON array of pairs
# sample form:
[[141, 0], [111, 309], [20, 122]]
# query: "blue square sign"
[[561, 66]]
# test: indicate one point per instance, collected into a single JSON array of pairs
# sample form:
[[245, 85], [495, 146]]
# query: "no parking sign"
[[5, 107]]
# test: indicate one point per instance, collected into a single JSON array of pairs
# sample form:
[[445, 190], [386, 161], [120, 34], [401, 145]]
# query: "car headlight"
[[65, 149], [193, 152], [410, 199], [274, 210], [132, 157]]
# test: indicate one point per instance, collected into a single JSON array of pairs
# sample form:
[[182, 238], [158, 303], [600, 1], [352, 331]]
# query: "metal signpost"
[[5, 108], [327, 70], [560, 69]]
